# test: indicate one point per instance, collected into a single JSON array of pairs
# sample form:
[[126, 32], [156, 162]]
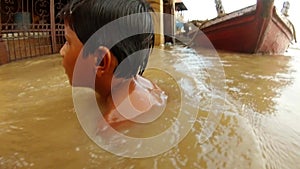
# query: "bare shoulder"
[[145, 83], [148, 94], [143, 104]]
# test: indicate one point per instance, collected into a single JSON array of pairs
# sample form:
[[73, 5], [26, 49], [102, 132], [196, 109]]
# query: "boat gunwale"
[[250, 10]]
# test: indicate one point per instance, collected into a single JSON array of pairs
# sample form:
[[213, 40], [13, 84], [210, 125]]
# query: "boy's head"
[[86, 17]]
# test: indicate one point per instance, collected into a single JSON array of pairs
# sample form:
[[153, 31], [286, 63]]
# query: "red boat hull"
[[256, 29]]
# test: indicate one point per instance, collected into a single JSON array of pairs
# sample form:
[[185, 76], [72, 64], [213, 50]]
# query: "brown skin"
[[106, 81]]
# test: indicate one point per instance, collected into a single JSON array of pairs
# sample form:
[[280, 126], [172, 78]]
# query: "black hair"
[[86, 17]]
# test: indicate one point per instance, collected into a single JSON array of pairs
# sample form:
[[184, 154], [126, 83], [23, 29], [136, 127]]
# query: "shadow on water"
[[258, 128]]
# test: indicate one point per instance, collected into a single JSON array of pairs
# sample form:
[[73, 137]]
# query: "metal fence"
[[30, 28]]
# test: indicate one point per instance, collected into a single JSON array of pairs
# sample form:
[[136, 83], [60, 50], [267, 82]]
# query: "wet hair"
[[86, 17]]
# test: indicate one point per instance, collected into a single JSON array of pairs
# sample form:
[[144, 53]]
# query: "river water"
[[252, 100]]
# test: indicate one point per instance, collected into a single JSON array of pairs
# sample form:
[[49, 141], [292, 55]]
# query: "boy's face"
[[70, 51]]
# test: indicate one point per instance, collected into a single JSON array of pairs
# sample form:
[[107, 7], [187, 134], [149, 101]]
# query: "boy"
[[123, 93]]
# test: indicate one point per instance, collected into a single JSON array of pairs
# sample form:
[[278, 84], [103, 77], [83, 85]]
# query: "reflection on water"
[[267, 87], [259, 127]]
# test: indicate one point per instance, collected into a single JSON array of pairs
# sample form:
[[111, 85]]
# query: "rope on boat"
[[294, 32]]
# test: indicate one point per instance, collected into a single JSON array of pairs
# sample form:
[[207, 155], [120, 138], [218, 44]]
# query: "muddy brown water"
[[259, 125]]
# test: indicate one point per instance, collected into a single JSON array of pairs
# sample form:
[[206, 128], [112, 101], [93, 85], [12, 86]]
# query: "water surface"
[[259, 125]]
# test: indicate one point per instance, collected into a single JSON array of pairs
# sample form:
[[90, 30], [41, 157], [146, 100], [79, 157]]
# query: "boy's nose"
[[62, 52]]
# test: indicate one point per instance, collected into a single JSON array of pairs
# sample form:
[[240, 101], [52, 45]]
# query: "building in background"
[[30, 28]]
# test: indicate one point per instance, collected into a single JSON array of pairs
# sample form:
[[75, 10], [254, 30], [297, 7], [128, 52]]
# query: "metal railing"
[[30, 28]]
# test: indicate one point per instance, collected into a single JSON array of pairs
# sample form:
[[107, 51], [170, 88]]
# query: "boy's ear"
[[102, 59]]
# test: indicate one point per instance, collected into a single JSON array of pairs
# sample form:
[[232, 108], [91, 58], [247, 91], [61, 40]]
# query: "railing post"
[[3, 48], [52, 25], [3, 52]]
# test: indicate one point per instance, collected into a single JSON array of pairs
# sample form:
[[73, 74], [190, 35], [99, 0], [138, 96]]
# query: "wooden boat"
[[255, 29]]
